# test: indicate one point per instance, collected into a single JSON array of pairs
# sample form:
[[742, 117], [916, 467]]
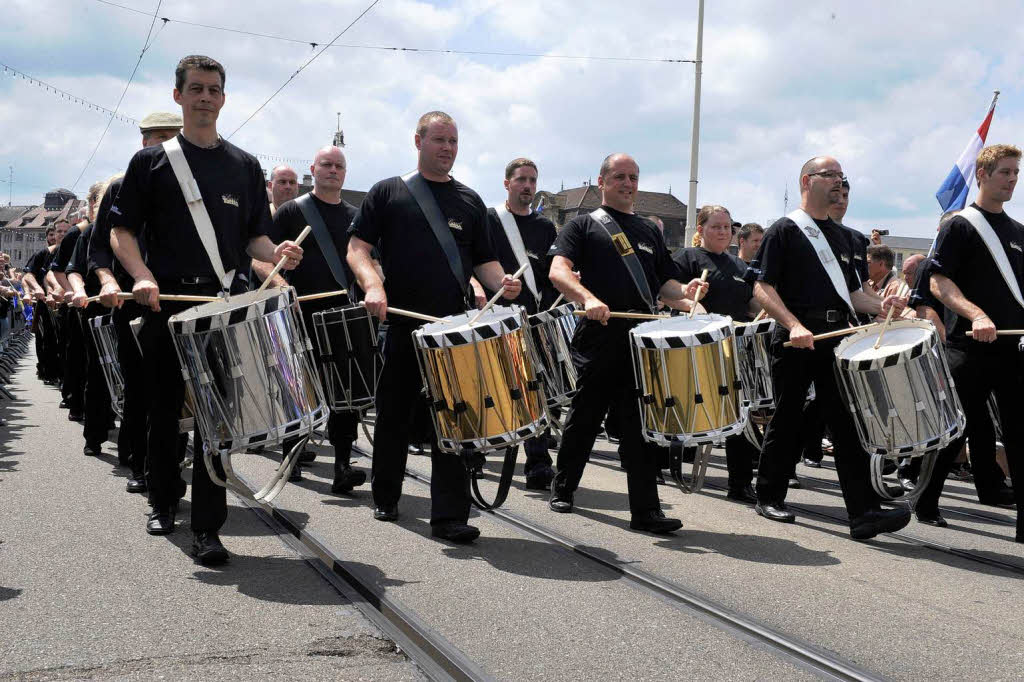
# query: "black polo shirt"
[[416, 272], [314, 274], [80, 262], [150, 204], [64, 250], [790, 264], [586, 243], [961, 255], [538, 235], [728, 293]]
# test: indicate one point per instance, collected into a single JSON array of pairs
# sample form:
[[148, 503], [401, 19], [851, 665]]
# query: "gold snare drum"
[[688, 376], [481, 380]]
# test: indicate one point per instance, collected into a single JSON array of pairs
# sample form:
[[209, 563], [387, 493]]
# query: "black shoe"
[[76, 417], [654, 521], [386, 512], [794, 483], [934, 519], [161, 521], [458, 533], [744, 494], [64, 404], [307, 456], [1000, 497], [540, 479], [346, 478], [775, 512], [812, 463], [877, 521], [208, 550], [136, 485], [960, 472], [660, 477], [91, 450]]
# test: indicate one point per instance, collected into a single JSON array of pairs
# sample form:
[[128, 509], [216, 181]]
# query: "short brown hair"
[[747, 230], [516, 164], [196, 61], [883, 253], [430, 117], [990, 156], [706, 212]]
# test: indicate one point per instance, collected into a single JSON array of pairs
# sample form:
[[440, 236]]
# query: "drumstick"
[[627, 316], [557, 301], [181, 298], [1004, 332], [833, 334], [501, 292], [322, 294], [703, 278], [760, 315], [408, 313], [888, 320], [280, 263]]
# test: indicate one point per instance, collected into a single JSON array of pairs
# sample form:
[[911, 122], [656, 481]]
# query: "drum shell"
[[472, 387], [903, 406], [347, 356], [104, 335], [552, 333], [248, 370], [754, 357]]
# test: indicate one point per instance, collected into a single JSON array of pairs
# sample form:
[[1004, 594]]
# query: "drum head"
[[455, 330], [698, 331], [239, 308], [902, 339]]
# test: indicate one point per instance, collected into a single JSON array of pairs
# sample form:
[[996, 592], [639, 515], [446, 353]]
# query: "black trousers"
[[48, 342], [400, 408], [96, 395], [814, 431], [165, 395], [793, 370], [977, 371], [72, 357], [131, 444], [602, 356]]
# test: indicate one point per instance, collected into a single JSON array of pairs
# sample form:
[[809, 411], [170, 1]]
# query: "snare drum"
[[688, 376], [753, 351], [901, 395], [481, 380], [104, 335], [348, 359], [552, 332], [248, 370]]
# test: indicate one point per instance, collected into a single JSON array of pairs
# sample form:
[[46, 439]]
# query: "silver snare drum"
[[104, 335], [753, 350], [348, 358], [552, 332]]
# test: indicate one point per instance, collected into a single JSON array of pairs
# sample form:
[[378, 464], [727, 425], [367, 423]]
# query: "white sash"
[[194, 201], [977, 219], [515, 240], [812, 232]]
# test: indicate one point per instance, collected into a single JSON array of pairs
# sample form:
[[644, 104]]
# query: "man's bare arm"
[[946, 290], [770, 300]]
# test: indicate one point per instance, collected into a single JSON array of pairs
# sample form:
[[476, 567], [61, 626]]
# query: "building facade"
[[23, 228]]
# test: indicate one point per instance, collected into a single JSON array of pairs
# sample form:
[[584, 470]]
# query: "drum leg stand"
[[474, 461], [700, 469], [267, 493], [885, 492]]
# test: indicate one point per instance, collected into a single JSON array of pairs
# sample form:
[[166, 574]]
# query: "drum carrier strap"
[[629, 257], [475, 464], [823, 250], [420, 191], [323, 238], [995, 248], [196, 207], [515, 240]]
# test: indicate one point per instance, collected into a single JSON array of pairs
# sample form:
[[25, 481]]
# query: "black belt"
[[198, 279], [819, 315]]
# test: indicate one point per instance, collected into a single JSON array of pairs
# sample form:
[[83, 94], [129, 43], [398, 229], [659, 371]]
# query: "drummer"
[[728, 294], [150, 206], [600, 346], [808, 283], [519, 235], [317, 274], [420, 259], [977, 271]]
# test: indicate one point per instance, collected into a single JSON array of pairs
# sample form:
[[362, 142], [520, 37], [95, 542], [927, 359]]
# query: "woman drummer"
[[728, 293]]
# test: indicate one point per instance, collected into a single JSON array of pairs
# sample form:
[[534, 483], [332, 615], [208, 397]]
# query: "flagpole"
[[691, 206]]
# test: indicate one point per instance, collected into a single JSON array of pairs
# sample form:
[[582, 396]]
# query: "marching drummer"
[[624, 265], [431, 232], [728, 293], [323, 269], [233, 212], [809, 284], [522, 235]]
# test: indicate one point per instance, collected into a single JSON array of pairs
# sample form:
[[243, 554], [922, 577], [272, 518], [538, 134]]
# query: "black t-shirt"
[[39, 264], [790, 264], [859, 244], [538, 235], [314, 274], [728, 293], [921, 295], [65, 249], [101, 254], [961, 255], [416, 271], [586, 243], [150, 204], [80, 262]]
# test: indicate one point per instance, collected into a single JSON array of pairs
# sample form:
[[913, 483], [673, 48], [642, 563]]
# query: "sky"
[[892, 89]]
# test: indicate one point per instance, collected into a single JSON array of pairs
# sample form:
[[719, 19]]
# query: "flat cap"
[[160, 121]]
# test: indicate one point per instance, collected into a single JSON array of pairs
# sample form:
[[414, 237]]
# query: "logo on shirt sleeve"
[[115, 209], [646, 248], [1015, 245], [230, 200], [455, 225]]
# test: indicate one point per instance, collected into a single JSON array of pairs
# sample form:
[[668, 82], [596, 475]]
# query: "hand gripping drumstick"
[[703, 278], [833, 334], [501, 292], [408, 313], [1004, 332], [888, 318], [627, 316], [280, 263], [181, 298]]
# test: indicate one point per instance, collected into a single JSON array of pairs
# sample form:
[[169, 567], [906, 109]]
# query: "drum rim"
[[765, 326], [440, 335], [893, 359], [723, 330], [546, 316], [242, 301]]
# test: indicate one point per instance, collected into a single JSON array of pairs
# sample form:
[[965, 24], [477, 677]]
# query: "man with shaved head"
[[808, 283], [315, 275], [282, 186]]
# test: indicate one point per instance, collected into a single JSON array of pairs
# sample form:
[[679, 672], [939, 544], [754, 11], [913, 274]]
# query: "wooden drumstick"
[[322, 294], [408, 313], [1004, 332], [558, 300], [501, 292], [703, 278], [626, 316], [833, 334], [760, 316], [888, 319], [280, 263], [181, 298]]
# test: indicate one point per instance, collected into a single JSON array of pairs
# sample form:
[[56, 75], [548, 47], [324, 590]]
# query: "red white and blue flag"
[[952, 194]]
